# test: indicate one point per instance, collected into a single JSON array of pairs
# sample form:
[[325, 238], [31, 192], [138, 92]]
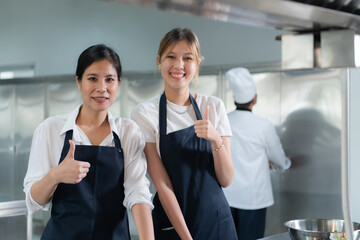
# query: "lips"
[[177, 75], [100, 99]]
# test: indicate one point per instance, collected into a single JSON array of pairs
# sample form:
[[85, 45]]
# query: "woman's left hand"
[[205, 129], [220, 146]]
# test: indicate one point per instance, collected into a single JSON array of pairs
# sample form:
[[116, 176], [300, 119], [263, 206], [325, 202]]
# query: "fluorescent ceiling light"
[[15, 72], [7, 75]]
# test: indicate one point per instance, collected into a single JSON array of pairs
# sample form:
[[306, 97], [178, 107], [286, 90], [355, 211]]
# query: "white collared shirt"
[[253, 145], [146, 115], [48, 141]]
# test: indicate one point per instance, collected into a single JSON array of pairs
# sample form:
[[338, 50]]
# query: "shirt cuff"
[[147, 203], [139, 198], [33, 206]]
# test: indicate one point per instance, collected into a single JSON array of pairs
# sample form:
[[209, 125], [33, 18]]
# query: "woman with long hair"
[[187, 148]]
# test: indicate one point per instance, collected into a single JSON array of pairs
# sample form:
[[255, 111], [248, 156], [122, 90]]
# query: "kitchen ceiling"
[[289, 15]]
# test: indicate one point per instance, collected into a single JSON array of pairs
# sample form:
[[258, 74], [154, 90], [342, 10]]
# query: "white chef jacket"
[[253, 145], [146, 115], [48, 141]]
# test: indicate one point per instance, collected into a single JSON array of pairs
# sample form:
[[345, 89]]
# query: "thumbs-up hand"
[[205, 129], [71, 170], [206, 115]]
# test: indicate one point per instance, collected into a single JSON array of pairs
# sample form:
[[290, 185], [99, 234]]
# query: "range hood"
[[318, 33], [294, 16]]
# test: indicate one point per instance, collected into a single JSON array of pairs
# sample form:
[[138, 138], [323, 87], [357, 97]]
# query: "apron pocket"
[[169, 233]]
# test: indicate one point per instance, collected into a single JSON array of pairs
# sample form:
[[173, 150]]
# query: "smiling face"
[[98, 86], [178, 66]]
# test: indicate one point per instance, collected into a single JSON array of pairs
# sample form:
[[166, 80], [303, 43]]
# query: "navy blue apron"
[[93, 208], [189, 163]]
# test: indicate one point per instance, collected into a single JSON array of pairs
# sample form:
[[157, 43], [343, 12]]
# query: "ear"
[[78, 83]]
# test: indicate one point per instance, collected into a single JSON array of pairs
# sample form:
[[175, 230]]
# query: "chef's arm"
[[143, 221], [224, 168], [165, 191], [275, 152]]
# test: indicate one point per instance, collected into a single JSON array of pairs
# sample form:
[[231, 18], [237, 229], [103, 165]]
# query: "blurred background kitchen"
[[303, 57]]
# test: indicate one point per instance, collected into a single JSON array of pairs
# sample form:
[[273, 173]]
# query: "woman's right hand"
[[71, 170], [68, 171]]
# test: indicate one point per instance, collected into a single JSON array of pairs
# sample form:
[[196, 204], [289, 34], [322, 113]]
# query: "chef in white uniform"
[[254, 145]]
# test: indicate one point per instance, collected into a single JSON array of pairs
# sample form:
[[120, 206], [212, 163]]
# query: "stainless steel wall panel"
[[305, 107], [7, 96], [13, 228], [229, 98], [63, 97], [123, 98], [207, 85], [115, 109], [142, 88], [311, 136], [268, 90], [311, 110], [354, 165], [29, 113]]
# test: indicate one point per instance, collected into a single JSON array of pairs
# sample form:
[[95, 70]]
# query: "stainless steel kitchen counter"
[[281, 236]]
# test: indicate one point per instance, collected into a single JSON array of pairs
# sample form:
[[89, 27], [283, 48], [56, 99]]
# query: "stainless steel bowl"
[[317, 229]]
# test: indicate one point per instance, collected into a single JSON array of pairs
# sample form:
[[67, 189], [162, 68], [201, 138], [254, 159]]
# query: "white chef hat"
[[242, 84]]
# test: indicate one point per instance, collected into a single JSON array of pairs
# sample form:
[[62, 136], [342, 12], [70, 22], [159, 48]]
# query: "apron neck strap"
[[196, 108], [163, 116], [69, 135], [116, 140]]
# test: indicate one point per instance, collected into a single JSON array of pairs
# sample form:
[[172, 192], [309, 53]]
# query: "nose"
[[179, 63], [101, 87]]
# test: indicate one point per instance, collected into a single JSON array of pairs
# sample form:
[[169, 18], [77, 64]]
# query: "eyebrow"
[[188, 53], [94, 74]]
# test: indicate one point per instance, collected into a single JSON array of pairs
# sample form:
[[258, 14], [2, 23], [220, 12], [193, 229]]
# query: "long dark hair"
[[96, 53]]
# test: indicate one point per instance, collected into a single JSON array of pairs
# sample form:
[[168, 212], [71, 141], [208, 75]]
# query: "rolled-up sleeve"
[[136, 183], [38, 167], [145, 122], [223, 124]]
